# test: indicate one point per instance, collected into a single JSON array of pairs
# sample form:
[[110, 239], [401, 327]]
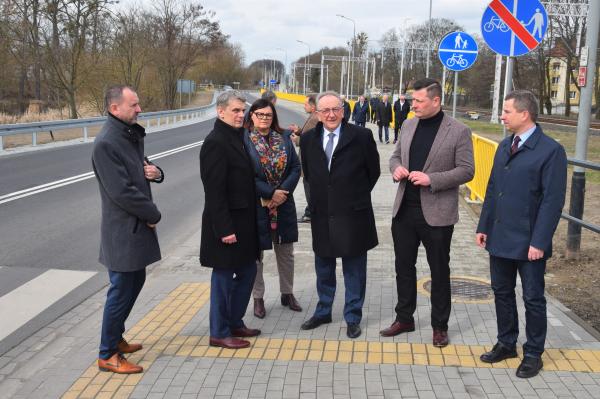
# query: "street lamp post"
[[428, 42], [350, 74], [284, 67], [305, 62]]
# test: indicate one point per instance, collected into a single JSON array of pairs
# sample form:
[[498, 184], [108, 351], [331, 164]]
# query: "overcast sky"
[[263, 26]]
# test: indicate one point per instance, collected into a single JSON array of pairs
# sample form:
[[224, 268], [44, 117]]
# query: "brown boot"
[[259, 308], [290, 301], [125, 347], [118, 364]]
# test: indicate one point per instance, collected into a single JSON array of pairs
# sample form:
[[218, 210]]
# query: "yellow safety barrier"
[[483, 152]]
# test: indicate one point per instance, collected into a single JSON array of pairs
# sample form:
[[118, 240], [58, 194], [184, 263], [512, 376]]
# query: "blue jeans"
[[355, 281], [230, 291], [504, 276], [387, 132], [122, 293]]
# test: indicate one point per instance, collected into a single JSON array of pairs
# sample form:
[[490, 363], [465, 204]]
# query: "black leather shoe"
[[498, 353], [290, 301], [529, 367], [315, 322], [353, 330]]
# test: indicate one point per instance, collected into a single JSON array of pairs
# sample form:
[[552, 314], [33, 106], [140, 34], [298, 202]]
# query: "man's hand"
[[231, 239], [294, 128], [151, 225], [400, 173], [419, 178], [151, 172], [278, 198], [481, 239], [534, 254]]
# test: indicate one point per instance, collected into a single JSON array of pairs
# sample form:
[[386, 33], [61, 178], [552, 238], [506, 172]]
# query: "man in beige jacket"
[[433, 157]]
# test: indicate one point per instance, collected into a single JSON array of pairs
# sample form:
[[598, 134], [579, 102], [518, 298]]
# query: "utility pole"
[[305, 62], [583, 130], [428, 42]]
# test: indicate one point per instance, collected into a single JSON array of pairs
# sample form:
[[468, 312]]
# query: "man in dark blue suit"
[[522, 207], [360, 111]]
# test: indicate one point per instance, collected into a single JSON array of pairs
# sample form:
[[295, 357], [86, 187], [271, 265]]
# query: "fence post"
[[34, 138], [1, 143], [85, 133]]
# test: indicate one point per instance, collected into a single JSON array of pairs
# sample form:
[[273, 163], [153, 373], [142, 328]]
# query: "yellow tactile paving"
[[159, 332]]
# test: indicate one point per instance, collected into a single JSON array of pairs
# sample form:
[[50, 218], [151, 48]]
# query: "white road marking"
[[30, 299], [74, 179]]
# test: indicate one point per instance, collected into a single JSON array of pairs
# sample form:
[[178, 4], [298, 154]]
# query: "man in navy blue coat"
[[360, 111], [522, 207]]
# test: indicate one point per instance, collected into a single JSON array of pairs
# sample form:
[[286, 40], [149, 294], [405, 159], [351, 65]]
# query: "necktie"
[[515, 145], [329, 149]]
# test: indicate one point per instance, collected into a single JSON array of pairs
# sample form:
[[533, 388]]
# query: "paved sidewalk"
[[171, 320]]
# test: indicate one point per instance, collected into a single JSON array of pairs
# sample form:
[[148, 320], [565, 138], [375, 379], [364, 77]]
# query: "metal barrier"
[[483, 154], [162, 118]]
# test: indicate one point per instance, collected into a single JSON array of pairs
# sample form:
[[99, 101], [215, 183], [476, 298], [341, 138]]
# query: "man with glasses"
[[341, 163], [229, 241]]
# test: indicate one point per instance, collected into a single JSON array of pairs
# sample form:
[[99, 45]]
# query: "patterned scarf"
[[273, 160]]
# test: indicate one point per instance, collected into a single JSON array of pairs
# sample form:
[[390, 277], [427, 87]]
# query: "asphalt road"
[[60, 228]]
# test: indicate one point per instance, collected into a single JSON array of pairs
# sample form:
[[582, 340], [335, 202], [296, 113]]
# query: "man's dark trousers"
[[504, 276], [409, 229], [124, 290], [230, 291], [361, 124], [387, 132], [355, 282]]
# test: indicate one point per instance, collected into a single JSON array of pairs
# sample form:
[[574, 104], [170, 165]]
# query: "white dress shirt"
[[336, 138]]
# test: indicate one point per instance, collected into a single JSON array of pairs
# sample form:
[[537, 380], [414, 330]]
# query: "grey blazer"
[[448, 165]]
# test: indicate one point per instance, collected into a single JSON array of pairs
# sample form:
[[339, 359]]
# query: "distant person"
[[401, 110], [347, 111], [384, 117], [523, 203], [128, 240], [277, 171], [310, 107], [341, 163], [229, 237], [374, 102], [360, 111], [269, 96], [433, 157]]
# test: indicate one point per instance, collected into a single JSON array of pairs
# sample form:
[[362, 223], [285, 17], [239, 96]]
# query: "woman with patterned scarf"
[[277, 171]]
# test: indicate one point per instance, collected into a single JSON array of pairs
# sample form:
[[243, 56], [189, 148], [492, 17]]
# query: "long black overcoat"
[[342, 220], [229, 195], [127, 244]]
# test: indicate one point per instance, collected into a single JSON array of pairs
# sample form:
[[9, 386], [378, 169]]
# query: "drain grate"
[[466, 289]]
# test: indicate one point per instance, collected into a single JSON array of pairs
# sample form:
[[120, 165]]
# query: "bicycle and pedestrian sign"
[[514, 27], [458, 51]]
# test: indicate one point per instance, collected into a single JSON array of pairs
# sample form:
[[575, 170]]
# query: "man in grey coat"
[[128, 241], [433, 157]]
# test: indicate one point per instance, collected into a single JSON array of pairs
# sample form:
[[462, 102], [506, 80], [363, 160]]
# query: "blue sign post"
[[513, 28], [457, 51]]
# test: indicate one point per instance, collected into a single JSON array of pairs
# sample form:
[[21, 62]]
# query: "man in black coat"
[[229, 242], [384, 117], [360, 111], [341, 163], [401, 110], [128, 241], [347, 109]]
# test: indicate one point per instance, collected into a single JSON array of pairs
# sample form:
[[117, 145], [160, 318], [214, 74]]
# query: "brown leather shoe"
[[290, 301], [229, 342], [259, 308], [245, 332], [396, 328], [125, 347], [118, 364], [440, 338]]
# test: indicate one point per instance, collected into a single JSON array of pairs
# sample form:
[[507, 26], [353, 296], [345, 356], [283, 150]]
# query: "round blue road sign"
[[514, 27], [458, 51]]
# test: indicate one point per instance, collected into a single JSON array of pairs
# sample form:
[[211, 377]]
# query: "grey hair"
[[524, 100], [269, 95], [329, 93], [114, 95], [224, 98]]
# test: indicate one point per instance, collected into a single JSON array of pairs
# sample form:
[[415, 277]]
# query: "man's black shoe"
[[315, 322], [498, 353], [353, 330], [529, 367]]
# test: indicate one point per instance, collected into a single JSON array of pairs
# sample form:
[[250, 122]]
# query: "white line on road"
[[74, 179], [32, 298]]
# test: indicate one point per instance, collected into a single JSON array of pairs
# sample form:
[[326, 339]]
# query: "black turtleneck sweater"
[[419, 151]]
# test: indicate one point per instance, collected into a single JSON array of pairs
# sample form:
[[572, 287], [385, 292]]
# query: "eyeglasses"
[[261, 115], [327, 111]]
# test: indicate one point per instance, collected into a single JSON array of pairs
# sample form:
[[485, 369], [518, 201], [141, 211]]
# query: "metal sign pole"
[[508, 83], [583, 131], [454, 94], [497, 79]]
